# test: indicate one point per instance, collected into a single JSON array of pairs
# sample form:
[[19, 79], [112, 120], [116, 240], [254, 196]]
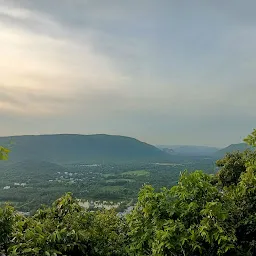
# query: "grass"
[[108, 175], [136, 173], [111, 188], [119, 180], [169, 164]]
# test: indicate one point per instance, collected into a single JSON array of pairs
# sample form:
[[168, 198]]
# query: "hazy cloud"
[[171, 72]]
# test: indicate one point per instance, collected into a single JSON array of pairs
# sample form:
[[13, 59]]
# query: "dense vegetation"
[[231, 148], [42, 168], [202, 215], [73, 148], [4, 153], [189, 150], [29, 184]]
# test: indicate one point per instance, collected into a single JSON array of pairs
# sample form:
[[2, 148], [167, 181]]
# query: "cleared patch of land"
[[136, 173], [169, 164], [111, 188], [119, 180]]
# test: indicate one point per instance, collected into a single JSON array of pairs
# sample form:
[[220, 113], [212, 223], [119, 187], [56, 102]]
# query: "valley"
[[29, 184], [95, 168]]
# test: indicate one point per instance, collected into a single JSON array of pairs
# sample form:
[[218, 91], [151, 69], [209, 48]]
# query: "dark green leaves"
[[4, 153], [67, 229], [7, 220], [189, 219], [198, 216], [251, 139]]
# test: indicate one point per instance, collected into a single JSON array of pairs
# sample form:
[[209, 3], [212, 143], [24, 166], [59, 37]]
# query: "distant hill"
[[169, 151], [189, 150], [231, 148], [69, 148]]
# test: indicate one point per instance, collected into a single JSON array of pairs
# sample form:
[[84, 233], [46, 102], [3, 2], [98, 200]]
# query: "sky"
[[162, 71]]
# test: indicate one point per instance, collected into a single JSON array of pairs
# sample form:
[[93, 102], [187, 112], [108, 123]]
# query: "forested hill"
[[189, 150], [202, 151], [231, 148], [71, 148]]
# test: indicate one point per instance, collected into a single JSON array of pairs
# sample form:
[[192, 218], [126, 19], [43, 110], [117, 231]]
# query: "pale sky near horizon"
[[162, 71]]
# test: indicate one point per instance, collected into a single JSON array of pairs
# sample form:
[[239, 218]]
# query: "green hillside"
[[231, 148], [188, 150], [81, 148]]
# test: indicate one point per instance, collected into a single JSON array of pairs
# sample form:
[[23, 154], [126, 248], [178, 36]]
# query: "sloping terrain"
[[231, 148], [187, 150], [68, 148]]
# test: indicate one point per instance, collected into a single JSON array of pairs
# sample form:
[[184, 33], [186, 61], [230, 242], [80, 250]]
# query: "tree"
[[68, 229], [232, 166], [191, 218], [198, 216], [7, 217], [243, 214], [244, 195], [4, 153], [7, 220], [251, 139]]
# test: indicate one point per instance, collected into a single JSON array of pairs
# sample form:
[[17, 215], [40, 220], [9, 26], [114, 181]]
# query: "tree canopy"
[[4, 153], [202, 215], [251, 139]]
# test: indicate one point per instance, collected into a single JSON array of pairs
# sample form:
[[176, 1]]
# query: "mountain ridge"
[[68, 148], [231, 148], [189, 150]]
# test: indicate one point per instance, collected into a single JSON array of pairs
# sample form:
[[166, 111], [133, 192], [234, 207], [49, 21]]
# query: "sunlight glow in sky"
[[165, 72]]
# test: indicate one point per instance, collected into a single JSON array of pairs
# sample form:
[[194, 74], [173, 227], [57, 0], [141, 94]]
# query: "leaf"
[[4, 153]]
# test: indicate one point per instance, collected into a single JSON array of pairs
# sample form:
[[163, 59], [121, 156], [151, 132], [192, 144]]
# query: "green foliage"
[[67, 229], [199, 217], [251, 139], [195, 217], [83, 148], [4, 153], [45, 182], [202, 215], [7, 220], [231, 148], [188, 219], [244, 195], [232, 165], [136, 173]]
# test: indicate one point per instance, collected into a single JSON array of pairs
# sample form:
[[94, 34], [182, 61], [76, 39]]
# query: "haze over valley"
[[127, 128], [94, 167]]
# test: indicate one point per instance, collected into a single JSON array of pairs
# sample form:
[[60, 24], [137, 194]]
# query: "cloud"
[[47, 66], [121, 66]]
